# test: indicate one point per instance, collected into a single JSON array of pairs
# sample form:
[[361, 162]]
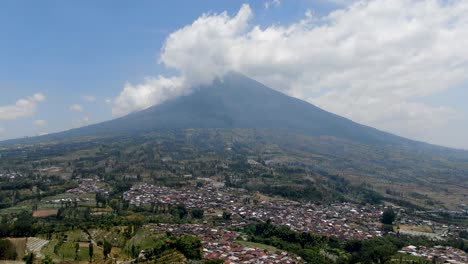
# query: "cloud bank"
[[22, 108], [152, 91], [76, 108], [372, 61]]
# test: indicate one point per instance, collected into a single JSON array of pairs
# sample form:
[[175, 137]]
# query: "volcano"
[[235, 101]]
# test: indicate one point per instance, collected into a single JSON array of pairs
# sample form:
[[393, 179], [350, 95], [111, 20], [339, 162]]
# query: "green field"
[[67, 251]]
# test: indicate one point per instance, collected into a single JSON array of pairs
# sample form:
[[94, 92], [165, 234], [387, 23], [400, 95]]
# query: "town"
[[156, 204], [220, 243], [344, 220]]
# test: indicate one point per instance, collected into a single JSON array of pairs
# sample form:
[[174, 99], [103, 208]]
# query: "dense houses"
[[343, 220], [436, 254], [219, 243], [87, 186], [346, 221], [75, 195]]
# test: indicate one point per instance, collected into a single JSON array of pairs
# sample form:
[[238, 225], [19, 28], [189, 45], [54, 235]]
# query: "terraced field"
[[170, 257], [35, 245]]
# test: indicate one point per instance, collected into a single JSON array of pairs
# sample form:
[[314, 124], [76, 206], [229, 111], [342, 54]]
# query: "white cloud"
[[269, 3], [156, 90], [89, 98], [76, 108], [373, 61], [340, 2], [22, 108], [151, 91], [40, 123]]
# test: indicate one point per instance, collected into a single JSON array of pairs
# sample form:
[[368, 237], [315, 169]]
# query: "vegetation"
[[7, 250], [388, 216], [321, 249], [91, 251], [156, 246], [29, 258], [106, 248], [198, 213], [310, 247], [289, 166], [47, 260]]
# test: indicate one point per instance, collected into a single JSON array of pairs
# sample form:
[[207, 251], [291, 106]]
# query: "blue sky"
[[86, 52], [70, 49]]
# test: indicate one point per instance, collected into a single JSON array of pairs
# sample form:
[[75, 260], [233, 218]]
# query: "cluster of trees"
[[178, 212], [198, 213], [7, 250], [294, 192], [106, 248], [388, 217], [463, 234], [21, 227], [189, 246], [20, 189], [308, 246], [75, 213], [321, 249]]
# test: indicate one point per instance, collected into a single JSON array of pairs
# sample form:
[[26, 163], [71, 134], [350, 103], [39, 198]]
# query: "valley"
[[128, 190]]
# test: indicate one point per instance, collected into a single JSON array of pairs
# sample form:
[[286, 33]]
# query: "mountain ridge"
[[234, 101]]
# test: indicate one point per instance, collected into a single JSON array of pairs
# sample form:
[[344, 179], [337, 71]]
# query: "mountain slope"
[[236, 102], [236, 119]]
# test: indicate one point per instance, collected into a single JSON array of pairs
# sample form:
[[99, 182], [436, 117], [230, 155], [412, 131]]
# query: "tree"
[[388, 216], [91, 251], [106, 248], [77, 248], [377, 250], [179, 211], [5, 229], [198, 213], [7, 250], [22, 226], [463, 234], [314, 256], [134, 251], [29, 258], [226, 216], [47, 260], [190, 246]]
